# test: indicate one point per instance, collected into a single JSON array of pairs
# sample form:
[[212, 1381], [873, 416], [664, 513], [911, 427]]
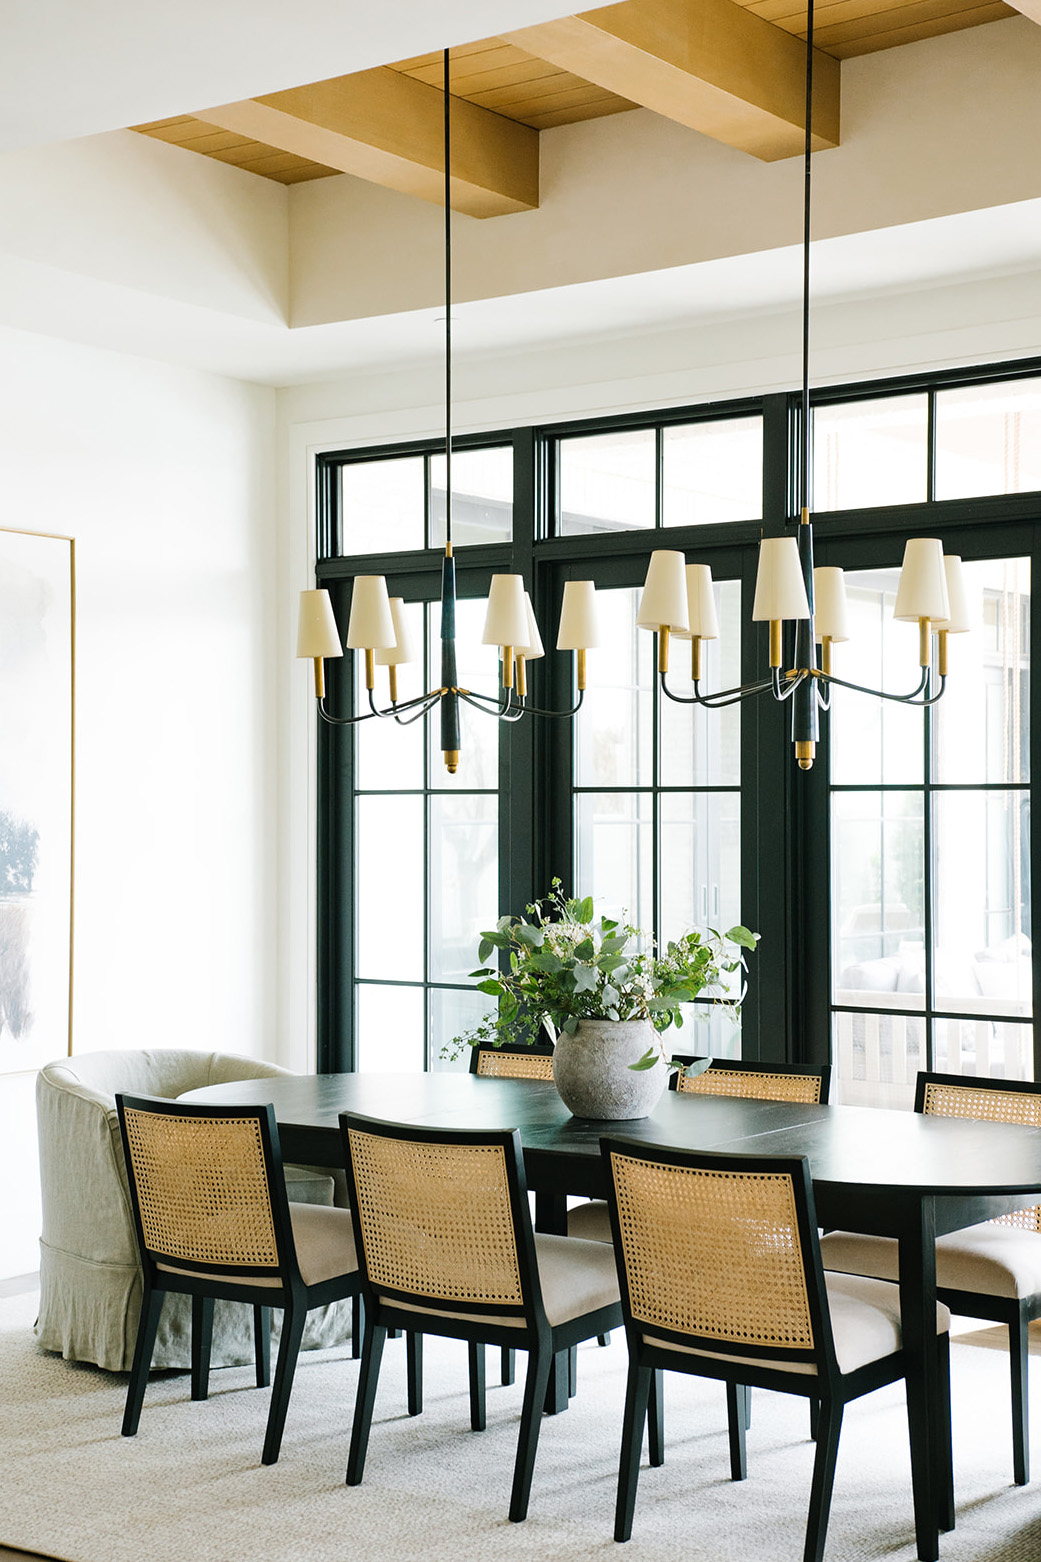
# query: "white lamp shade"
[[533, 650], [830, 614], [960, 620], [780, 591], [316, 631], [578, 626], [922, 592], [506, 622], [663, 604], [371, 626], [403, 650], [701, 604]]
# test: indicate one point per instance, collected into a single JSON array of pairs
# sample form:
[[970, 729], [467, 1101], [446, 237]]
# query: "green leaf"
[[484, 949], [494, 941], [570, 1025], [531, 937], [585, 950], [548, 962], [493, 987], [610, 996], [741, 935], [585, 978], [584, 909], [648, 1060], [609, 963]]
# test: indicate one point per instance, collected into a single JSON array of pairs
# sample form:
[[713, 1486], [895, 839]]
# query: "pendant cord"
[[804, 451], [448, 308]]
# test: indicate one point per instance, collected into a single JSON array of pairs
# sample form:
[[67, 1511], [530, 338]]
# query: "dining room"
[[645, 360]]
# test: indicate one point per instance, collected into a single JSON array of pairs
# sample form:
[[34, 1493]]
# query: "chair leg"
[[656, 1419], [357, 1324], [572, 1371], [202, 1341], [945, 1451], [151, 1307], [1019, 1359], [509, 1366], [536, 1382], [475, 1353], [293, 1320], [829, 1426], [603, 1339], [262, 1344], [414, 1369], [815, 1415], [737, 1410], [637, 1393], [371, 1356]]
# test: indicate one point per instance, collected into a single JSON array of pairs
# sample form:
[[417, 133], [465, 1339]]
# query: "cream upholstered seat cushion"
[[90, 1272], [590, 1221], [993, 1259], [865, 1323], [576, 1277], [324, 1242]]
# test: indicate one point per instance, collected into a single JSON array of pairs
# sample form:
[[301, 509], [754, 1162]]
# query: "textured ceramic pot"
[[591, 1070]]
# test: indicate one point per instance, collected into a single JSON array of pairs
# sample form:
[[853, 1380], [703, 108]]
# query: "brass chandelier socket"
[[942, 653], [695, 658], [370, 669], [393, 684], [924, 642], [522, 677], [826, 655], [775, 642], [663, 648], [319, 678], [581, 668]]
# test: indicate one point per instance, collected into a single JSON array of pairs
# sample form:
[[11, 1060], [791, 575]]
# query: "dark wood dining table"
[[895, 1173]]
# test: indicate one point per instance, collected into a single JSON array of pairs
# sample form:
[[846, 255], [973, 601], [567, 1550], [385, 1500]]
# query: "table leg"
[[918, 1321]]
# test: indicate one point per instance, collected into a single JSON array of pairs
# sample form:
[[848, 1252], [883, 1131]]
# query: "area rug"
[[190, 1484]]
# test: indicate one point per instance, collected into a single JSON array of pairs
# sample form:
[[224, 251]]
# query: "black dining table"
[[894, 1173]]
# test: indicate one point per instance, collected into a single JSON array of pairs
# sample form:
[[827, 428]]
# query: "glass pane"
[[988, 439], [708, 1031], [988, 690], [873, 739], [390, 1030], [700, 863], [995, 1049], [983, 930], [452, 1013], [464, 880], [878, 934], [482, 496], [606, 482], [389, 887], [382, 505], [700, 747], [876, 1058], [389, 756], [870, 452], [613, 855], [477, 667], [712, 472], [613, 730]]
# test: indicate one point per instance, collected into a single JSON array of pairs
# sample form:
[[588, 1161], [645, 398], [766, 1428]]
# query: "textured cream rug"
[[189, 1486]]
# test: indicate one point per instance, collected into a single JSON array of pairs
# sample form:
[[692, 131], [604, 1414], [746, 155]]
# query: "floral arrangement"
[[566, 965]]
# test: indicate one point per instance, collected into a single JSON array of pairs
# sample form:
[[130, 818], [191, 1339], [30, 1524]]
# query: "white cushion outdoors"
[[324, 1239], [865, 1322], [576, 1278], [994, 1260], [590, 1221]]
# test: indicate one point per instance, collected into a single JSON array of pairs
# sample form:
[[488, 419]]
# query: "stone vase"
[[591, 1070]]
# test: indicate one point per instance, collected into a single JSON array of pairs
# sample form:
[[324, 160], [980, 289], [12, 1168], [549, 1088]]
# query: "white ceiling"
[[76, 67]]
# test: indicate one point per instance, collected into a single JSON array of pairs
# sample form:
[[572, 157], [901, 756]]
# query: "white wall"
[[165, 477]]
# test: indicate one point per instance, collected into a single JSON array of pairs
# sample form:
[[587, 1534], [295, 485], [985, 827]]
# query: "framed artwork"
[[37, 682]]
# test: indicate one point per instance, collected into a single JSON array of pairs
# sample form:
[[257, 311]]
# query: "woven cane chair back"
[[946, 1098], [202, 1188], [714, 1253], [759, 1085], [436, 1219], [493, 1063]]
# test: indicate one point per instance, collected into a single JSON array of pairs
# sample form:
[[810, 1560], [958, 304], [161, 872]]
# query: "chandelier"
[[677, 602], [378, 626]]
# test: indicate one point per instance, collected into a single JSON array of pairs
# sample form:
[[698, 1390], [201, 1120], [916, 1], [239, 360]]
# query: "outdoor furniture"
[[721, 1277], [213, 1221], [90, 1272], [992, 1270], [445, 1243]]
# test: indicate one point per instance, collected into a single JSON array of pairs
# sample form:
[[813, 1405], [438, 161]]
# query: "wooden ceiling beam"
[[389, 128], [709, 64]]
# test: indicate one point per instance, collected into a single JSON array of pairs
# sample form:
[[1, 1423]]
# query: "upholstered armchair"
[[90, 1272]]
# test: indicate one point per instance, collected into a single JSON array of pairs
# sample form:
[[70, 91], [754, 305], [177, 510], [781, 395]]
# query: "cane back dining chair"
[[990, 1271], [720, 1276], [445, 1244], [213, 1221]]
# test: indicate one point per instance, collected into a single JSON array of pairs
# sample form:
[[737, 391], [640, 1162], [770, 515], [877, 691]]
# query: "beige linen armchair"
[[90, 1271]]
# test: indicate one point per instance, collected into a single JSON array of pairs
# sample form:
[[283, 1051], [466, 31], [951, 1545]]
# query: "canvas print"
[[36, 758]]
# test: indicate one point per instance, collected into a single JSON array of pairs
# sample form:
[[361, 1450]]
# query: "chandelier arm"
[[486, 703], [882, 694], [719, 697], [406, 721], [431, 698], [785, 693], [537, 710]]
